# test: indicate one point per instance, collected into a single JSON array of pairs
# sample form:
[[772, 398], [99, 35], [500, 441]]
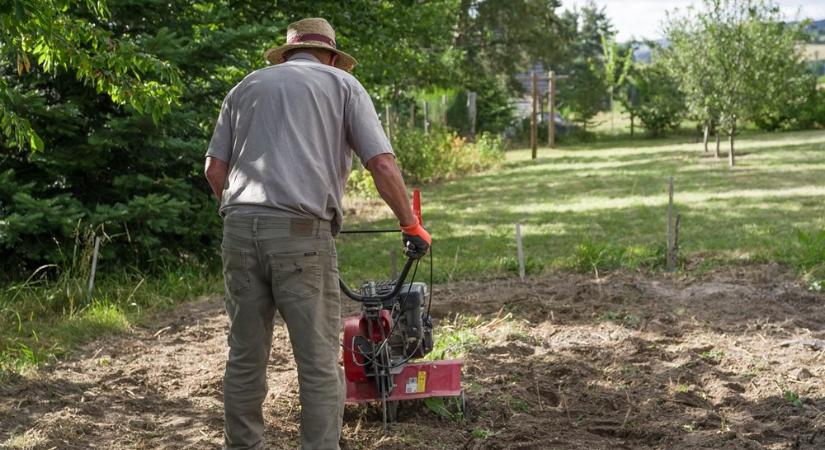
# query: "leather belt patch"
[[301, 227]]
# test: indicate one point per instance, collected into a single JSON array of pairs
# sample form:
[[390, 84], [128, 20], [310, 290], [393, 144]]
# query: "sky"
[[642, 19]]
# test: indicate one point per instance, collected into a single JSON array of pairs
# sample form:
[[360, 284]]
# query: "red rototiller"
[[393, 329]]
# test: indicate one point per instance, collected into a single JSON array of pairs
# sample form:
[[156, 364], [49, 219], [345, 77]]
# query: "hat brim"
[[344, 61]]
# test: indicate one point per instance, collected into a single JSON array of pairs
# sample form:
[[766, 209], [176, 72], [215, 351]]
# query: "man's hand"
[[416, 240]]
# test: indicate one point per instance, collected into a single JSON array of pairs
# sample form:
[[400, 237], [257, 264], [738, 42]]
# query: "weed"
[[448, 408], [44, 318], [624, 318], [715, 356], [792, 397], [483, 433], [682, 388], [518, 404], [454, 339], [808, 255]]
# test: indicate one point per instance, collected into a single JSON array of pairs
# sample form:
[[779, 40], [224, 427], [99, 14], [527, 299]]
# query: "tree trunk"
[[731, 155], [705, 140], [718, 143], [631, 125]]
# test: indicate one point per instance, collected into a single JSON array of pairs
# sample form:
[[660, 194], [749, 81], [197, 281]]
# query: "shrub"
[[442, 154], [360, 183], [658, 103]]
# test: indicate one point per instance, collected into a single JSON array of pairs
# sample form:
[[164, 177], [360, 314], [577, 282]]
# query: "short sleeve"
[[365, 134], [220, 146]]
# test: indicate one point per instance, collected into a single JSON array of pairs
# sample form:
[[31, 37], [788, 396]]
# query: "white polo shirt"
[[287, 132]]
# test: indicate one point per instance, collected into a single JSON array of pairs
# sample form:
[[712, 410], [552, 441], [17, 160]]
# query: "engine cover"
[[403, 323]]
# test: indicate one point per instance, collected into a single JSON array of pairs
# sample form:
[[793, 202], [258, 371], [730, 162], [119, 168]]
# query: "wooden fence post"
[[551, 107], [94, 268], [533, 122], [520, 252], [671, 235]]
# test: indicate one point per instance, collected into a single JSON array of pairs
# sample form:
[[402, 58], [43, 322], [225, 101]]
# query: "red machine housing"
[[413, 380]]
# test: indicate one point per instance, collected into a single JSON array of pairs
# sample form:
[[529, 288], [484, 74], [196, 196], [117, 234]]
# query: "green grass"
[[43, 320], [603, 205]]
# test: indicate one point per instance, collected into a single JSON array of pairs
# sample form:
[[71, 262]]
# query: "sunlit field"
[[606, 203]]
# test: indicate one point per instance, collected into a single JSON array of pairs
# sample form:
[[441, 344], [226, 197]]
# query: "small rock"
[[802, 374]]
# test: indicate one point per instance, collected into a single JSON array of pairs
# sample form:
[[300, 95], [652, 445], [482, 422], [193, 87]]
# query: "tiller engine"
[[381, 344]]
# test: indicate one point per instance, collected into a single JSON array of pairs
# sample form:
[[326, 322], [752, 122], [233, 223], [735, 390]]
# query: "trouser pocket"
[[297, 273], [236, 275]]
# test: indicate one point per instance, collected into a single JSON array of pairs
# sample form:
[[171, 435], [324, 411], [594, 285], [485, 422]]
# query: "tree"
[[123, 97], [583, 95], [656, 98], [616, 68], [504, 37], [54, 36], [731, 59], [586, 90]]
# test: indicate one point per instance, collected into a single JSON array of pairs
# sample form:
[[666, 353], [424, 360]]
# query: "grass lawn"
[[604, 204]]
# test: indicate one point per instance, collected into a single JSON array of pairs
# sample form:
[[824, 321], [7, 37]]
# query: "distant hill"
[[818, 29]]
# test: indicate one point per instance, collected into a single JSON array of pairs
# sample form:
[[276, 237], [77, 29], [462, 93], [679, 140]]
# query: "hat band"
[[312, 37]]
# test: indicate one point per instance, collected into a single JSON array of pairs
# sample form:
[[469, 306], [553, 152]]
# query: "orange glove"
[[416, 240]]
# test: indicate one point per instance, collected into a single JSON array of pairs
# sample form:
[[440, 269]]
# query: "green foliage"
[[442, 154], [658, 102], [583, 94], [494, 110], [448, 408], [483, 433], [811, 113], [43, 318], [455, 338], [502, 37], [808, 255], [809, 251], [714, 356], [360, 183], [736, 60], [792, 398], [56, 36], [591, 255]]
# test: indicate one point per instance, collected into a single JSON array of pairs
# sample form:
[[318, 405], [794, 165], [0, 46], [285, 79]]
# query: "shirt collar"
[[305, 56]]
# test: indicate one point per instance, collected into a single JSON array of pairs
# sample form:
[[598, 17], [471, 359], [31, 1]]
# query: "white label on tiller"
[[412, 385]]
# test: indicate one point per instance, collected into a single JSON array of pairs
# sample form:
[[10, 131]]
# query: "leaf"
[[35, 142], [438, 406]]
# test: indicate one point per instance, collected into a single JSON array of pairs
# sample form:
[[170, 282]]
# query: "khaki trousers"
[[290, 265]]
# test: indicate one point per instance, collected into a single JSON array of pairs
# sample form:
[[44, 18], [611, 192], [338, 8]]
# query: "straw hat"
[[311, 33]]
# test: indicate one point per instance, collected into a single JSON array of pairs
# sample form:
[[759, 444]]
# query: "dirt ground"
[[626, 361]]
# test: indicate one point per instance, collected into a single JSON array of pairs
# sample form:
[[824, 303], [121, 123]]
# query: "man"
[[278, 162]]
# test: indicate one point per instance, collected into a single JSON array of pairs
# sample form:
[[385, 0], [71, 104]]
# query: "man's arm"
[[391, 187], [215, 171]]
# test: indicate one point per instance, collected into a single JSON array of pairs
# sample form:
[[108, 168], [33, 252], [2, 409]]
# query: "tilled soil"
[[731, 359]]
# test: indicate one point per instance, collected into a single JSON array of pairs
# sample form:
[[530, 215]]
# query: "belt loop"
[[255, 227], [317, 229]]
